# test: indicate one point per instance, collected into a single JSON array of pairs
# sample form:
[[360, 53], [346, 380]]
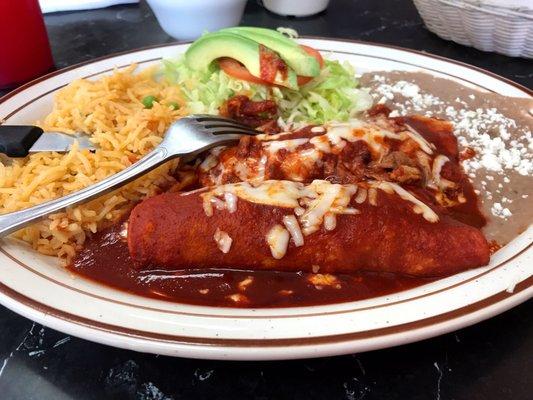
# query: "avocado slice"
[[208, 48], [296, 58]]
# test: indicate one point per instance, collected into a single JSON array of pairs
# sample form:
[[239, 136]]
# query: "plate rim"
[[46, 314]]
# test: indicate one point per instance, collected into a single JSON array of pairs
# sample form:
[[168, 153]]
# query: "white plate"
[[36, 287]]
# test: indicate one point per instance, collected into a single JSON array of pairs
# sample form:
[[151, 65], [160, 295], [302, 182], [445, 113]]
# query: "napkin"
[[48, 6]]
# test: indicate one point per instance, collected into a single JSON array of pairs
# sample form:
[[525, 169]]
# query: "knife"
[[20, 140]]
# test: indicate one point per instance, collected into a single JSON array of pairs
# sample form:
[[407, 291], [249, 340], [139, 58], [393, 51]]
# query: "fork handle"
[[12, 222], [16, 140]]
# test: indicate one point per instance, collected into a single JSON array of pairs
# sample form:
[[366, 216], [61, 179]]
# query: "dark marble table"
[[492, 360]]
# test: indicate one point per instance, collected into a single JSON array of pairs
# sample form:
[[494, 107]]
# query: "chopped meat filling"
[[256, 114], [349, 165], [396, 167]]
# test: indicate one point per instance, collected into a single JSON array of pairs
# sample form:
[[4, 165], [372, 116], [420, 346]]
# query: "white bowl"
[[295, 8], [189, 19]]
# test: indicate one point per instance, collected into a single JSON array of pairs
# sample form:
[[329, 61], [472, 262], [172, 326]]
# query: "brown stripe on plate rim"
[[277, 316], [328, 339]]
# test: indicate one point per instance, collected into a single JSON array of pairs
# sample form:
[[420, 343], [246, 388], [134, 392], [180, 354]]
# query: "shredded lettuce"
[[332, 96]]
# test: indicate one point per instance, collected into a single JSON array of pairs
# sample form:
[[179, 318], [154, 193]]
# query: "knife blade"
[[60, 142], [20, 140]]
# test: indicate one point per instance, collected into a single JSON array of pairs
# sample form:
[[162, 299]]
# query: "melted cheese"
[[242, 170], [361, 196], [345, 210], [219, 204], [223, 240], [278, 241], [332, 138], [321, 143], [124, 231], [310, 203], [330, 221], [299, 211], [419, 208], [208, 207], [212, 159], [313, 217], [314, 206], [243, 285], [292, 225], [373, 196], [439, 181], [289, 145], [272, 193], [356, 129], [231, 202], [312, 154], [417, 137], [275, 136], [260, 176]]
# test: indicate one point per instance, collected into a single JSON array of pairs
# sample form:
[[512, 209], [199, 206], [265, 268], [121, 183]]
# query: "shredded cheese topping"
[[419, 206], [330, 221], [439, 181], [313, 217], [317, 204], [417, 137], [289, 145], [223, 240], [314, 205], [356, 129], [231, 202], [361, 196], [278, 241], [212, 158], [292, 225]]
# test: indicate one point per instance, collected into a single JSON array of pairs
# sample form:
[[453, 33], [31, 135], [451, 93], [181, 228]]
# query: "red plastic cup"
[[24, 49]]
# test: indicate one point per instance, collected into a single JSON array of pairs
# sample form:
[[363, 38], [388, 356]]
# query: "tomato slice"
[[237, 70]]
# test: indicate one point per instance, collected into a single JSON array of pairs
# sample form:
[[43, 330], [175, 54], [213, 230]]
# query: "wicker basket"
[[488, 27]]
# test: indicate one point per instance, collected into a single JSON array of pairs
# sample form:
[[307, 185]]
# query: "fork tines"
[[222, 125]]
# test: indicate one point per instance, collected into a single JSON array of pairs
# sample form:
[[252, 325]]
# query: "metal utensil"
[[20, 140], [185, 138]]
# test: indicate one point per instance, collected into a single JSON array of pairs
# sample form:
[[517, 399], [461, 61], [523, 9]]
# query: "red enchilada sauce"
[[105, 259]]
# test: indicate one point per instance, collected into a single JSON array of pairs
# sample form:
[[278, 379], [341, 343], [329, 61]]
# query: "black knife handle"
[[16, 140]]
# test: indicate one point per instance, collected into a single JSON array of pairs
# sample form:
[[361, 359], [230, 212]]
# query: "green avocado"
[[211, 46], [296, 58]]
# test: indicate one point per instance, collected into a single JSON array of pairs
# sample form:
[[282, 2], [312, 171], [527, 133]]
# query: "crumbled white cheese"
[[499, 211], [485, 130], [420, 101], [495, 154]]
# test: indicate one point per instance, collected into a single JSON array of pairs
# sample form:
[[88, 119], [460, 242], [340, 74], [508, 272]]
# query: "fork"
[[185, 138]]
